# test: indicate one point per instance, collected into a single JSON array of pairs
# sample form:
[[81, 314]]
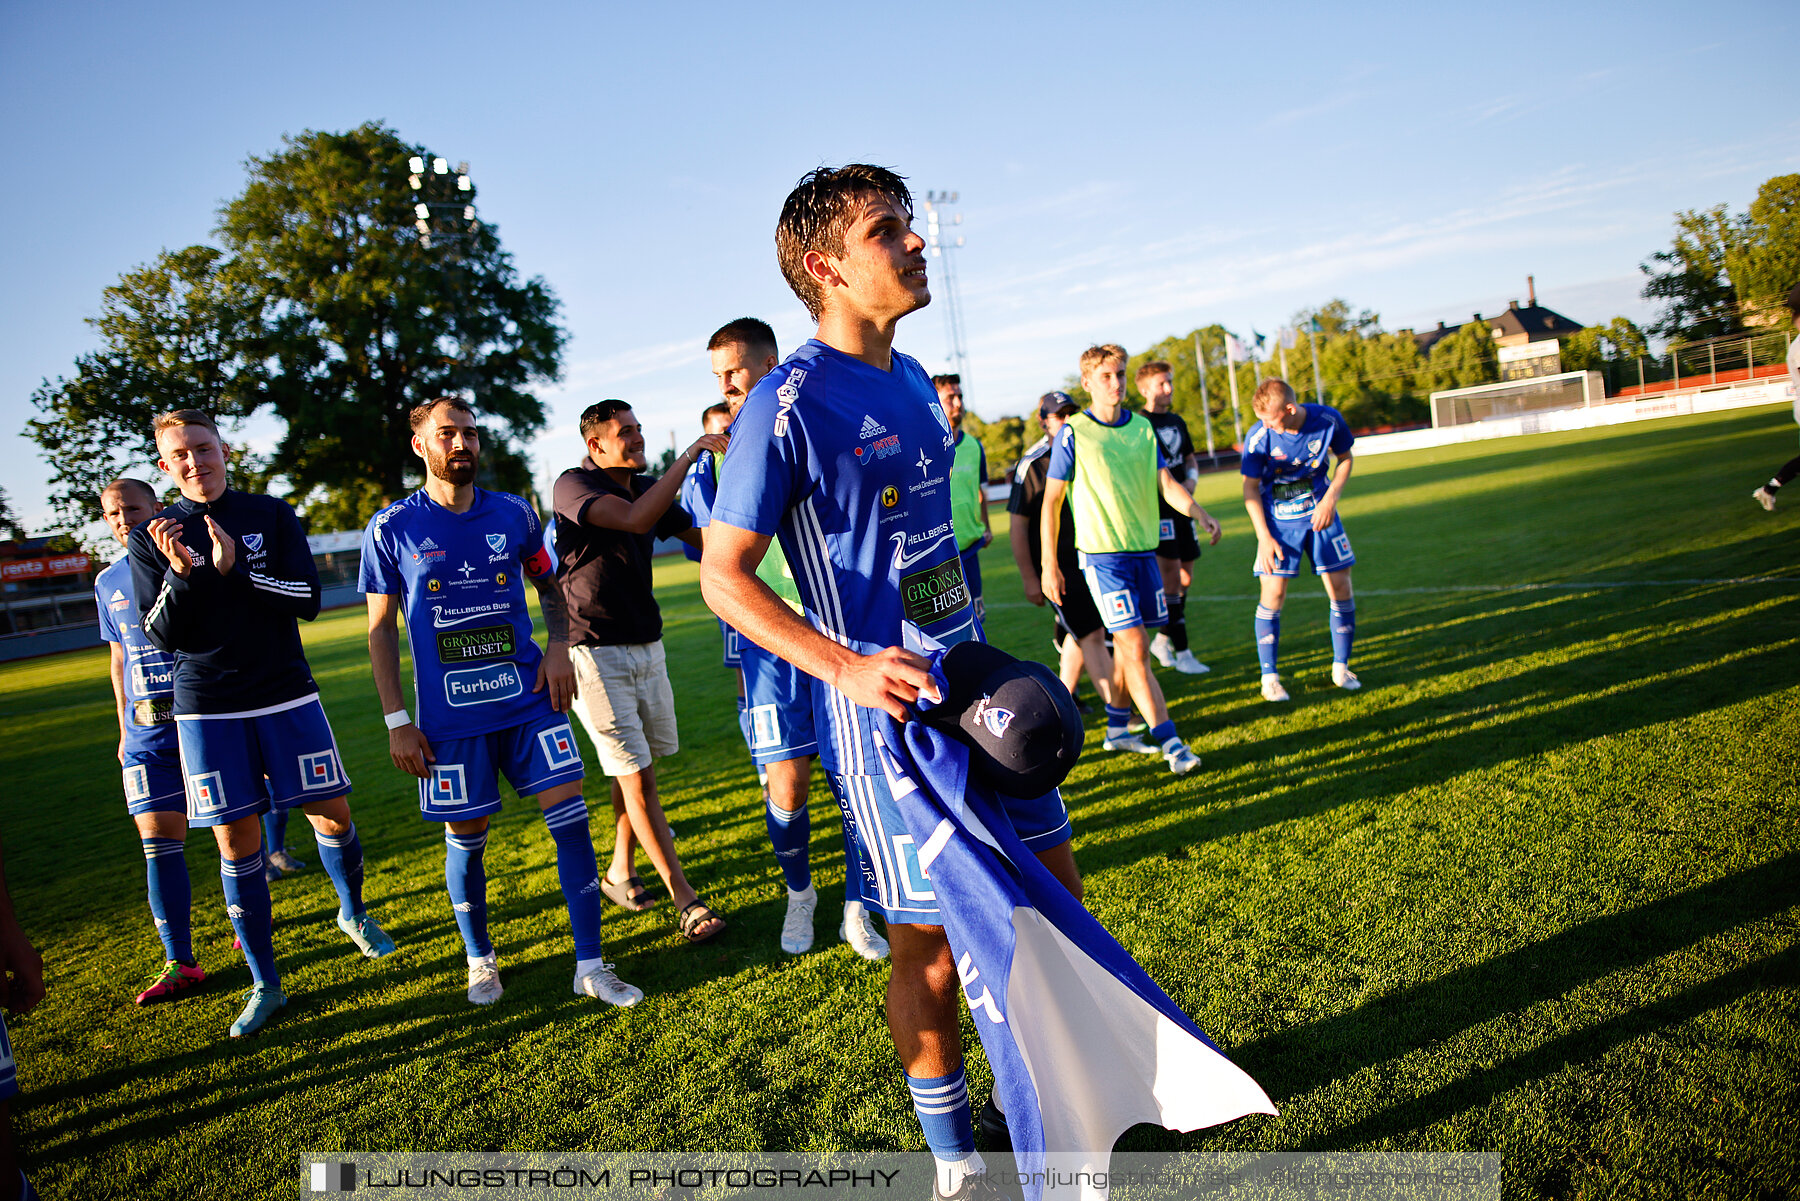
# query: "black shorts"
[[1077, 614], [1178, 541]]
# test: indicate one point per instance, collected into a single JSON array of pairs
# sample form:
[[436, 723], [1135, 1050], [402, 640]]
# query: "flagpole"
[[1205, 405], [1281, 342], [1318, 380], [1231, 370]]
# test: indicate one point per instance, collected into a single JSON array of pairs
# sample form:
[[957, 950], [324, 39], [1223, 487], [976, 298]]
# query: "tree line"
[[329, 304], [1724, 275]]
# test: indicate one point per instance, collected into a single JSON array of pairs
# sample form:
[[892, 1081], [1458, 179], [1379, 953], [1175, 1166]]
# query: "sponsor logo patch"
[[879, 450], [320, 770], [934, 593], [559, 746], [446, 789], [890, 496], [474, 645], [137, 783], [765, 728], [1119, 604], [480, 685], [206, 794]]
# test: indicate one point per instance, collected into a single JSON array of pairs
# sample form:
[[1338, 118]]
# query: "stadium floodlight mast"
[[443, 202], [938, 246]]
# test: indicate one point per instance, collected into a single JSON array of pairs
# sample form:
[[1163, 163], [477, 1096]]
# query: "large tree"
[[325, 308]]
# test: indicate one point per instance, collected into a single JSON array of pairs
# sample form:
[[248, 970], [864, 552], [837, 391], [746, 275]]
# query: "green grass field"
[[1535, 889]]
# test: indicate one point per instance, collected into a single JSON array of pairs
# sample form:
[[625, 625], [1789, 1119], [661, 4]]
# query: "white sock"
[[950, 1172], [492, 959], [584, 966]]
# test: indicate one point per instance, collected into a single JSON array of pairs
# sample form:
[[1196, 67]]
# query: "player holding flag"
[[1294, 512], [453, 555], [843, 453]]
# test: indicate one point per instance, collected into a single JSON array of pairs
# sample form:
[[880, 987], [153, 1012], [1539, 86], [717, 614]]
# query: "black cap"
[[1056, 402], [1018, 721]]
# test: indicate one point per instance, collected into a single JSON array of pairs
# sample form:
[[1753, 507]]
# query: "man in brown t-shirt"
[[608, 517]]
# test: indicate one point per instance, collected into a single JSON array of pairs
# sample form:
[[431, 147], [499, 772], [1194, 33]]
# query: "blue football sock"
[[171, 895], [1268, 637], [1343, 630], [578, 872], [789, 834], [744, 725], [247, 904], [942, 1103], [1116, 718], [343, 860], [465, 875], [1162, 733], [274, 824]]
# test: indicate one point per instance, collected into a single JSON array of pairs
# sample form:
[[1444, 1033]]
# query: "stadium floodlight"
[[936, 247], [416, 165], [443, 204]]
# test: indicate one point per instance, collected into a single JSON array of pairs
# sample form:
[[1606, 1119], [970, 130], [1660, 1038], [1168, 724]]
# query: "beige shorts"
[[625, 704]]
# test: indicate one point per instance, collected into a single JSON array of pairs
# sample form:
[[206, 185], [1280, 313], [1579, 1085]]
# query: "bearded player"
[[456, 557]]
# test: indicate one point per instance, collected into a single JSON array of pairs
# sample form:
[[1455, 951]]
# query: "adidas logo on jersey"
[[428, 544], [871, 428]]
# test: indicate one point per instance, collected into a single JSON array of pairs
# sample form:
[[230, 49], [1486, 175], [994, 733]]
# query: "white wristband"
[[397, 718]]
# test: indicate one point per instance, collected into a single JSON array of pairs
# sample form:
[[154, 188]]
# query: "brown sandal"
[[695, 915], [628, 893]]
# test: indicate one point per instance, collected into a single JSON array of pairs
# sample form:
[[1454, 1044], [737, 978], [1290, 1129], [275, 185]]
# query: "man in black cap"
[[1080, 636]]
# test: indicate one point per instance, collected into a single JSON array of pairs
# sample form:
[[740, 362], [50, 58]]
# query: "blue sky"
[[1125, 172]]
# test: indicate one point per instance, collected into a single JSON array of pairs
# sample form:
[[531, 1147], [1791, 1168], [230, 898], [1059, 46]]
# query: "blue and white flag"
[[1083, 1044]]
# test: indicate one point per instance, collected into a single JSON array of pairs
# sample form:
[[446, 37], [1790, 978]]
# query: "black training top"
[[236, 637], [1177, 444], [1030, 478], [605, 573]]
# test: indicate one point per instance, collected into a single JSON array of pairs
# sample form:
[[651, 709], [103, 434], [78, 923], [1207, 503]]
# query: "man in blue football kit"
[[221, 579], [143, 680], [457, 557], [1294, 511], [776, 704], [843, 455]]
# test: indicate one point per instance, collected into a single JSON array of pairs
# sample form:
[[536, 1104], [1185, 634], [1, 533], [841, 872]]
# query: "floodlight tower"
[[443, 204], [939, 247]]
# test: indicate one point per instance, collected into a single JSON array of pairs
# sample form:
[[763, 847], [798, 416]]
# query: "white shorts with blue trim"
[[1127, 588], [239, 764], [534, 755], [886, 875]]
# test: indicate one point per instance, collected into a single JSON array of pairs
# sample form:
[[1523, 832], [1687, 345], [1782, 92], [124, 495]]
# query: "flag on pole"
[[1083, 1043], [1235, 349], [1256, 344], [1290, 337]]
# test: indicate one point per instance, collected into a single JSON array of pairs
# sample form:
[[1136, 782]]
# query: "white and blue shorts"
[[153, 782], [534, 755], [1127, 588], [239, 764], [887, 876]]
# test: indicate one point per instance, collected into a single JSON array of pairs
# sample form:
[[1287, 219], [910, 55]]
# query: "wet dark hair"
[[817, 214]]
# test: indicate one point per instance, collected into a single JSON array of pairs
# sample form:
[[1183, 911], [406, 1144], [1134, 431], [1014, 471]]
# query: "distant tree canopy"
[[1726, 274], [323, 308], [1003, 441]]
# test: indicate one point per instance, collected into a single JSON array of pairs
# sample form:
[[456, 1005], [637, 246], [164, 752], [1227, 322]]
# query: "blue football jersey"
[[1293, 467], [848, 467], [149, 672], [462, 579]]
